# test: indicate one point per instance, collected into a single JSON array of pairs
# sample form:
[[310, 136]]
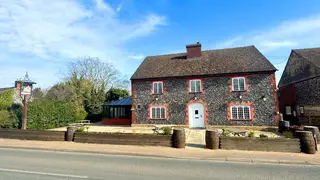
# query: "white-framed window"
[[158, 112], [195, 85], [238, 84], [157, 87], [301, 109], [240, 113], [288, 110]]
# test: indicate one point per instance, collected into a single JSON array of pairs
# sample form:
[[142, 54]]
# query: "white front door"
[[196, 115]]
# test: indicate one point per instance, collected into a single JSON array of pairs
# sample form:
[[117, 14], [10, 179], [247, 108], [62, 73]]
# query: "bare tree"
[[100, 74]]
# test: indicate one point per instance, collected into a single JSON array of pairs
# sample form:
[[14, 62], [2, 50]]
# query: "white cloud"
[[279, 40], [278, 44], [137, 57], [62, 30], [119, 7]]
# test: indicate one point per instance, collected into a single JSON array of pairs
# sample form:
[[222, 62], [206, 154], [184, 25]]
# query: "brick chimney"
[[193, 51]]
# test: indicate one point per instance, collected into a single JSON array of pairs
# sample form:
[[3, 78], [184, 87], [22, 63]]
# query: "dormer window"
[[157, 87], [238, 84]]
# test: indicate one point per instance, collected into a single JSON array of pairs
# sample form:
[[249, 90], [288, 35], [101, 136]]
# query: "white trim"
[[301, 109], [154, 107], [190, 85], [238, 78], [157, 82], [243, 117]]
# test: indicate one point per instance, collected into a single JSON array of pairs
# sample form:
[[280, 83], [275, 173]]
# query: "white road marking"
[[44, 173]]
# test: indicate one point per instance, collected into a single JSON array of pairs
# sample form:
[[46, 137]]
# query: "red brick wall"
[[287, 97], [116, 121]]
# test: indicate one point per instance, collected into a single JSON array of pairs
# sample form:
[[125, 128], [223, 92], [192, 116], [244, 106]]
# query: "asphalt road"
[[45, 165]]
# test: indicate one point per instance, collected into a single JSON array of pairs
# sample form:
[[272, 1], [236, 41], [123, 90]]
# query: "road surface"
[[46, 165]]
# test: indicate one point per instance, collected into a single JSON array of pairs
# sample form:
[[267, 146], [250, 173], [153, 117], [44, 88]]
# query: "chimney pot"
[[193, 51]]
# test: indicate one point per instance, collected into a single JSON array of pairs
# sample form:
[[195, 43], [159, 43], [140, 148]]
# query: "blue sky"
[[41, 36]]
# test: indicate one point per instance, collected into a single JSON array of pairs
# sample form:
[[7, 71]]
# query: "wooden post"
[[25, 111]]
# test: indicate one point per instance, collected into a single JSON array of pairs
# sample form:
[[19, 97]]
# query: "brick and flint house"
[[299, 87], [198, 88]]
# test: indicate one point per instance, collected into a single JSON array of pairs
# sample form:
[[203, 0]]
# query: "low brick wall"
[[116, 121], [261, 144], [123, 139], [32, 135]]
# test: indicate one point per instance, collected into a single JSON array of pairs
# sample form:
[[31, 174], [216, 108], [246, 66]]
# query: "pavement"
[[192, 153], [22, 164]]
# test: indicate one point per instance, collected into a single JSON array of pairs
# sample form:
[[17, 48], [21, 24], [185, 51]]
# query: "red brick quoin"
[[205, 111], [241, 104], [152, 105]]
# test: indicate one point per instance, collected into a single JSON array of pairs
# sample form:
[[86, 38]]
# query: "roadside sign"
[[26, 90]]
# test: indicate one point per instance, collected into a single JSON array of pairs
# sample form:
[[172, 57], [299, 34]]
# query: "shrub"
[[80, 129], [288, 134], [81, 114], [251, 134], [51, 114], [225, 132], [263, 136], [6, 99], [166, 130], [7, 119]]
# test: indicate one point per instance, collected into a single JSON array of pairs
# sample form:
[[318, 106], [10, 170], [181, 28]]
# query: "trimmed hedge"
[[51, 114], [6, 99], [8, 115]]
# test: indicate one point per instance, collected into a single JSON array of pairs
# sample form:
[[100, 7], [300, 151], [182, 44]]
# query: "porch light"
[[264, 98]]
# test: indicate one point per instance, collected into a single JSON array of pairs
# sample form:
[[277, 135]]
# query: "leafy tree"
[[37, 93], [116, 93], [89, 79], [61, 92], [93, 105]]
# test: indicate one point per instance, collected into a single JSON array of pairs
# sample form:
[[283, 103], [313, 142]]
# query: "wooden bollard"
[[178, 138], [69, 134], [314, 130], [307, 142], [212, 139]]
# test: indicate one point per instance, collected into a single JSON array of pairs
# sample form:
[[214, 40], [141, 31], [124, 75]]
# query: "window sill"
[[196, 92], [157, 94], [241, 120], [157, 119], [239, 91]]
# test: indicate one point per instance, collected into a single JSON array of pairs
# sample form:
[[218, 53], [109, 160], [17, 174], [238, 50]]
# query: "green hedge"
[[52, 114], [6, 99], [8, 118]]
